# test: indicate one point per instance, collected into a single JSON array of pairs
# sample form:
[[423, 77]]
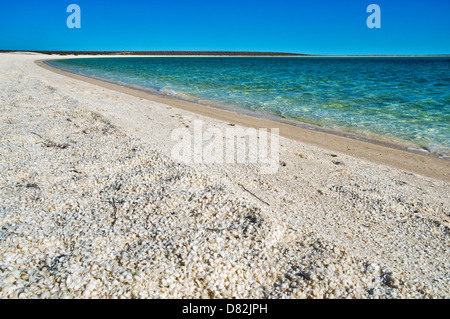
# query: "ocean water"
[[403, 100]]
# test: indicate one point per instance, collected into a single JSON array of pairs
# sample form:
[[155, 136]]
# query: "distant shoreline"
[[163, 53], [210, 53]]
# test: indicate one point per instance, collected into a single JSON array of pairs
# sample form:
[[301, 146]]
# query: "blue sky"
[[300, 26]]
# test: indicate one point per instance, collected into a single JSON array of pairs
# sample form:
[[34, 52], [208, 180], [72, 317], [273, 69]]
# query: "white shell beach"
[[93, 206]]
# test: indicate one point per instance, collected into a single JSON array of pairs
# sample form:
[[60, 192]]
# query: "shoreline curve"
[[380, 152]]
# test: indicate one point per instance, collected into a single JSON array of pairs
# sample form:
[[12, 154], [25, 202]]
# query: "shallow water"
[[404, 100]]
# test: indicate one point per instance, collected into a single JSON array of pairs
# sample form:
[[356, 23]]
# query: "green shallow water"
[[405, 100]]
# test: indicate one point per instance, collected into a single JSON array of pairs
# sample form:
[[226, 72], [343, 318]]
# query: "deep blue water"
[[404, 100]]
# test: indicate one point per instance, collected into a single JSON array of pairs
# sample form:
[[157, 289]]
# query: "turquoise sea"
[[403, 100]]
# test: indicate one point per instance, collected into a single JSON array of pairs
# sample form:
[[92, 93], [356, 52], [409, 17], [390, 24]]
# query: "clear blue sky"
[[301, 26]]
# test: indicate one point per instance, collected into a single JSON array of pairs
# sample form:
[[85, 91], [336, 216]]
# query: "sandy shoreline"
[[373, 150], [92, 205]]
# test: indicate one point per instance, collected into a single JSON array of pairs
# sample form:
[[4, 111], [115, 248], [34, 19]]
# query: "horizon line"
[[212, 53]]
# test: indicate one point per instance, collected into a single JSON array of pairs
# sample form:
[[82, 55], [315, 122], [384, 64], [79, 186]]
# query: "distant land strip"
[[211, 53], [171, 53]]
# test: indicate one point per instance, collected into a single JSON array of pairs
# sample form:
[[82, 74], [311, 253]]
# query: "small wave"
[[174, 93], [410, 148]]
